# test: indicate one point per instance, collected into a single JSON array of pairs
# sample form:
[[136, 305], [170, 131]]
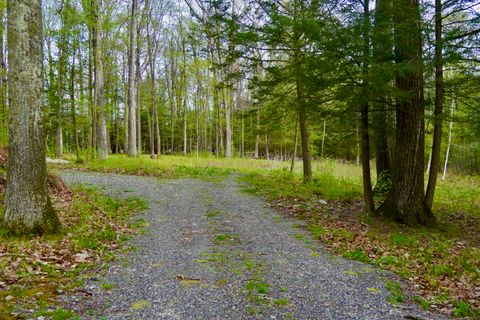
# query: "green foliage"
[[462, 309], [357, 254]]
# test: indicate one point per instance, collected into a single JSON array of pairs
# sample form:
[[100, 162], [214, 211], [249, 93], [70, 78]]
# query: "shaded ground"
[[212, 252]]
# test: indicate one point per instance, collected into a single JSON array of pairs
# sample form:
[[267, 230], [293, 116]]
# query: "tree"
[[406, 201], [365, 139], [102, 144], [27, 205], [132, 98], [382, 58], [438, 113]]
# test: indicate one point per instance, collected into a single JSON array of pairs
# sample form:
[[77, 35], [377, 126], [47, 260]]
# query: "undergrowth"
[[35, 271]]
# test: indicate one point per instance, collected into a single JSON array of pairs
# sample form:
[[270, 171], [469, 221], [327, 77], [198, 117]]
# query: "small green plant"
[[214, 213], [316, 230], [107, 286], [281, 301], [424, 303], [226, 238], [399, 239], [357, 254], [62, 314], [258, 286], [462, 309], [396, 292]]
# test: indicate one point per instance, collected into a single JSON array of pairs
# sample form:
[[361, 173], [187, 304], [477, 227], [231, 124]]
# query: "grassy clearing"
[[35, 271], [440, 264]]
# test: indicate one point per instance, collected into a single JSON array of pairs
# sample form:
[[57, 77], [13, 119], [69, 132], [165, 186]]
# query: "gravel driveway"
[[212, 252]]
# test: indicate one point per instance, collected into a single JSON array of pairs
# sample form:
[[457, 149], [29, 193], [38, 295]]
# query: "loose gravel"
[[211, 251]]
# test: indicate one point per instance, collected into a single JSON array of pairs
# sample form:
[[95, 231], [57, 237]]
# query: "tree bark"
[[405, 202], [102, 143], [449, 143], [294, 153], [132, 99], [228, 129], [60, 83], [138, 78], [438, 112], [72, 105], [257, 134], [382, 47], [27, 205], [365, 139]]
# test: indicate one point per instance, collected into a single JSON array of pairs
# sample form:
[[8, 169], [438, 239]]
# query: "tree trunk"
[[27, 205], [438, 112], [60, 87], [406, 201], [102, 143], [72, 105], [138, 78], [449, 143], [151, 61], [365, 139], [382, 46], [3, 78], [132, 99], [267, 154], [323, 138], [257, 134], [228, 129], [294, 153]]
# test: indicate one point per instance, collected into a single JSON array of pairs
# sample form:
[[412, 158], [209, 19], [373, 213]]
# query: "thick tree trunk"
[[406, 201], [438, 113], [132, 97], [27, 205]]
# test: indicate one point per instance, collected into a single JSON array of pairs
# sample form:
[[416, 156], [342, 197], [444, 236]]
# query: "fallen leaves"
[[34, 269]]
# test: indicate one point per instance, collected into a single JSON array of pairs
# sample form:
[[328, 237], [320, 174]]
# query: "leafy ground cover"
[[36, 271]]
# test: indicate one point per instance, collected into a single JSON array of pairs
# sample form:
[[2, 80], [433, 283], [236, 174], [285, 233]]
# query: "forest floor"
[[256, 215], [211, 251]]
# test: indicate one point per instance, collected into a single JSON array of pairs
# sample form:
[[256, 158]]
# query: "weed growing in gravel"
[[107, 286], [214, 213], [396, 292]]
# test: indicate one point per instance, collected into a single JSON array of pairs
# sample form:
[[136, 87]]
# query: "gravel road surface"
[[211, 251]]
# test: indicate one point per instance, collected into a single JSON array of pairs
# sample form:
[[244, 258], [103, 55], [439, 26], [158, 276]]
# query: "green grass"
[[396, 292]]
